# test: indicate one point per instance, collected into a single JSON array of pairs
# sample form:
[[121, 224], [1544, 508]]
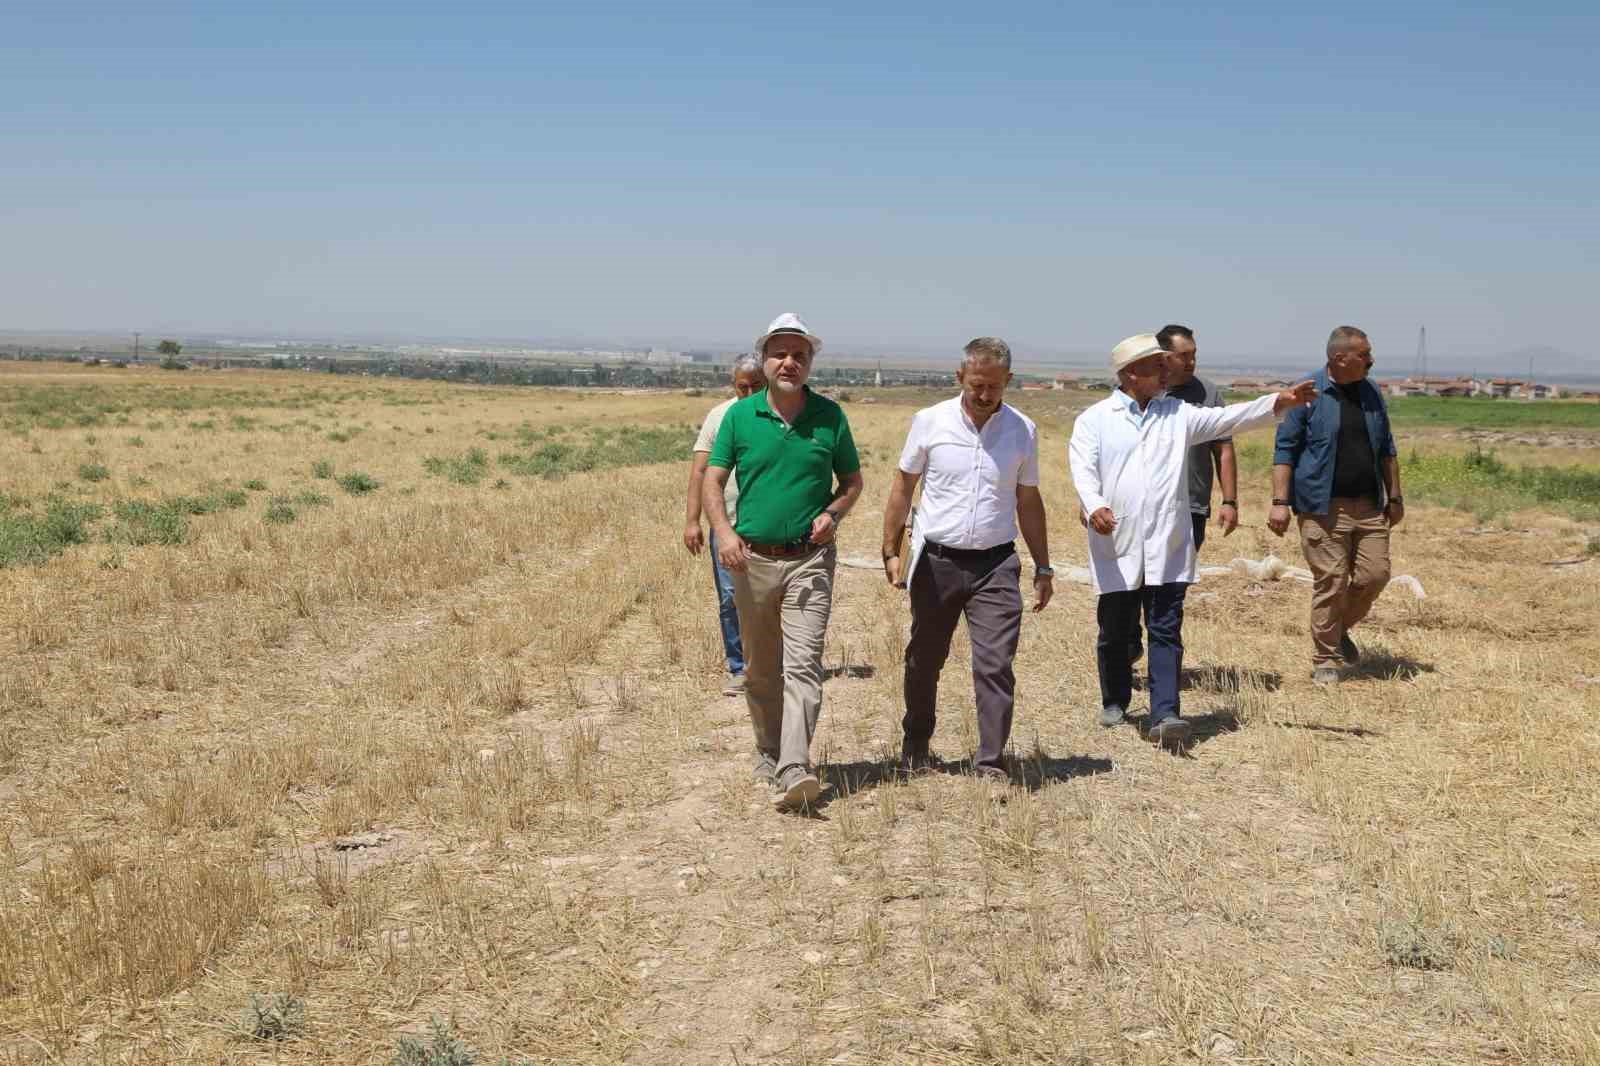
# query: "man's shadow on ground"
[[1203, 728], [855, 672], [1383, 666], [1223, 679], [1030, 772]]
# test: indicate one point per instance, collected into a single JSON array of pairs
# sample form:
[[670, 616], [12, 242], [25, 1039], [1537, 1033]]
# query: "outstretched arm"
[[1209, 423]]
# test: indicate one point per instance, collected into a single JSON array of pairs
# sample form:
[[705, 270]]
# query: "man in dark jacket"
[[1336, 468]]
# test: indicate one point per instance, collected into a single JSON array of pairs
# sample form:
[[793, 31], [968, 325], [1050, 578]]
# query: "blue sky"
[[904, 175]]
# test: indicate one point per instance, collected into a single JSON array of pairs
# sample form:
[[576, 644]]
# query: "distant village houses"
[[1494, 388]]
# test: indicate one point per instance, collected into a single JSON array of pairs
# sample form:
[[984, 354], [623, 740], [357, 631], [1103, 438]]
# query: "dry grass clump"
[[439, 750]]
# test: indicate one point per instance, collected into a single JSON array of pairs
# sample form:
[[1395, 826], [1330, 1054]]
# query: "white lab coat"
[[1133, 462]]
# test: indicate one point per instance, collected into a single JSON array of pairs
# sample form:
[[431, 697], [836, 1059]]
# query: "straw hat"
[[1134, 349], [788, 322]]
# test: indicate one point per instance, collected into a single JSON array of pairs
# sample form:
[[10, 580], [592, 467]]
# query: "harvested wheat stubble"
[[518, 690]]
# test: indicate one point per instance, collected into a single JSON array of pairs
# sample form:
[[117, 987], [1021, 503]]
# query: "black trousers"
[[988, 592]]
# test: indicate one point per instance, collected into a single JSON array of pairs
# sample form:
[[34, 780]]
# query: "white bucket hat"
[[1134, 349], [788, 322]]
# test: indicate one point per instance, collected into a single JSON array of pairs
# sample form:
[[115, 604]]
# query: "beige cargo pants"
[[783, 616]]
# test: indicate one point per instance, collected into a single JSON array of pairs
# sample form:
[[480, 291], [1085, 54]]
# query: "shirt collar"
[[966, 419], [1130, 405], [763, 408]]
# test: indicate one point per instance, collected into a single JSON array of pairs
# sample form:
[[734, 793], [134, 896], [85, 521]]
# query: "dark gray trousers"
[[989, 593]]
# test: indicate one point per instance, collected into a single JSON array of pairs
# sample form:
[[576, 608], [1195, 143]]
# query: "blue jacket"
[[1308, 441]]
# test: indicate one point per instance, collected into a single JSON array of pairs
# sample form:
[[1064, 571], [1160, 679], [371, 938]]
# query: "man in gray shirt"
[[1184, 385]]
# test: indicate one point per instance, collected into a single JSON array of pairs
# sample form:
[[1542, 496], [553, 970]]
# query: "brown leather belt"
[[792, 550]]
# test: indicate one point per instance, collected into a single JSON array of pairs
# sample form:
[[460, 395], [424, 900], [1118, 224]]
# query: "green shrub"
[[143, 522], [255, 484], [280, 510], [467, 469], [322, 468], [283, 1017], [313, 498], [1411, 944], [136, 442], [27, 538], [442, 1048], [358, 484], [93, 472]]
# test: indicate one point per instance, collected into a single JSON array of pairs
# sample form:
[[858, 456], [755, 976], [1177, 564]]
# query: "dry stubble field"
[[456, 749]]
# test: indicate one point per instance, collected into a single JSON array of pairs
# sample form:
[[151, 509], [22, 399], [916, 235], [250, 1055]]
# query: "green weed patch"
[[603, 448], [465, 469], [28, 537]]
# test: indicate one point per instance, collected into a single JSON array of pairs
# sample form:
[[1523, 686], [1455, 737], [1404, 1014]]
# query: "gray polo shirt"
[[1201, 393]]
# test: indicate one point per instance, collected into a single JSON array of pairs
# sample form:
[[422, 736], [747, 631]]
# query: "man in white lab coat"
[[1128, 457]]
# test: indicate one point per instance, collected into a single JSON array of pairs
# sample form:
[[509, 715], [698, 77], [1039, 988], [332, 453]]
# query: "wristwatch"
[[831, 513], [1230, 503], [1044, 571], [1397, 499], [1280, 503]]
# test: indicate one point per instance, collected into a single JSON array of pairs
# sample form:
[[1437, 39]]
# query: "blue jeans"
[[1136, 645], [1118, 613], [727, 612]]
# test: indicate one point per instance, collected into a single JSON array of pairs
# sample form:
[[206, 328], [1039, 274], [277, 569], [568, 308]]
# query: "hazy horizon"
[[905, 176]]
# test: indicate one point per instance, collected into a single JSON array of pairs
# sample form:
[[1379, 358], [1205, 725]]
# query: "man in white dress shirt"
[[1128, 457], [978, 460]]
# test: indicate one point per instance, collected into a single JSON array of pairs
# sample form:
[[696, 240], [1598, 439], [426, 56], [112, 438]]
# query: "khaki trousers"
[[1347, 551], [783, 615]]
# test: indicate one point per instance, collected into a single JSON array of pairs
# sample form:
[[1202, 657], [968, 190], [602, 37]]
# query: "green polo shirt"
[[786, 472]]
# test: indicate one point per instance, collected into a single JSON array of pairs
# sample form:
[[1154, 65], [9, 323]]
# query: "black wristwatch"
[[1230, 503], [1397, 499], [832, 514], [1280, 503]]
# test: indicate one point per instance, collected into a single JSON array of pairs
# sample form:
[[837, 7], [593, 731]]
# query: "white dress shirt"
[[1133, 462], [969, 476]]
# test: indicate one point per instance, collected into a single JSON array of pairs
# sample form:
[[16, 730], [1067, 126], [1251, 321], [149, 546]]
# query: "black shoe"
[[1170, 732], [1348, 650], [992, 775], [923, 761]]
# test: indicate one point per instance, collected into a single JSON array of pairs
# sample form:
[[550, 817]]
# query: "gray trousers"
[[783, 616], [989, 593]]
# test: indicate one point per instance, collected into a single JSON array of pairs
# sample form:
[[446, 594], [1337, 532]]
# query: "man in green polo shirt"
[[788, 446]]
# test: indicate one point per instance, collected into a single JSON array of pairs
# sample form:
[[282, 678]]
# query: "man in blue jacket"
[[1335, 466]]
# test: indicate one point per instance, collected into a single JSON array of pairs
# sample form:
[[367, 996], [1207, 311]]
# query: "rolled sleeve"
[[1291, 438], [1028, 474], [914, 456], [1386, 448]]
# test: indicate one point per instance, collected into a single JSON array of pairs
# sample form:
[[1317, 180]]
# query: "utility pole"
[[1422, 357], [135, 346]]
